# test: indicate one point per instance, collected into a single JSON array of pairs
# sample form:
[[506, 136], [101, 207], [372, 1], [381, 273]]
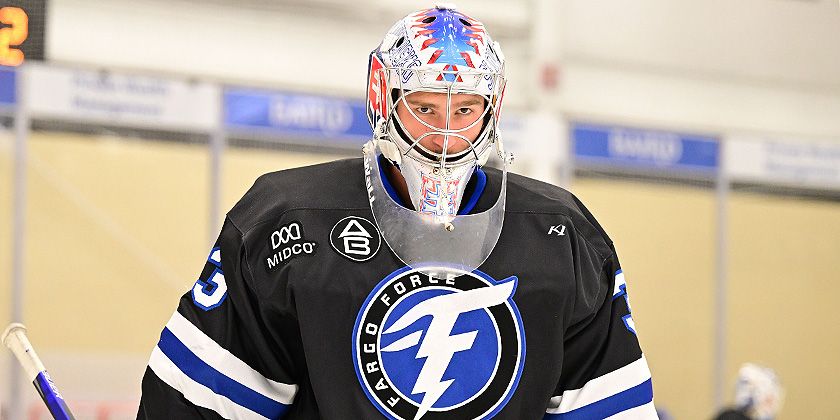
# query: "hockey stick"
[[15, 339]]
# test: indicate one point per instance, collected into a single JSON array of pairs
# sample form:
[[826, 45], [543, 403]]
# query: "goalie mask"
[[435, 86], [758, 392]]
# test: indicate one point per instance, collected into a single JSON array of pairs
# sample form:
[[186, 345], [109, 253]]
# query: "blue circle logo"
[[433, 348]]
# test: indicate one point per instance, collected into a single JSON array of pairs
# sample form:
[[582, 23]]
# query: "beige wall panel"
[[115, 233], [664, 236], [783, 277], [241, 167]]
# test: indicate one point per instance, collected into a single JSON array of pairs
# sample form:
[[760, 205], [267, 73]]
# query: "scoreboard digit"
[[21, 31], [12, 37]]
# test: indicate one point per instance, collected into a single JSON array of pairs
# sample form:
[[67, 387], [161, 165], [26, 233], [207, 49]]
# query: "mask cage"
[[396, 83]]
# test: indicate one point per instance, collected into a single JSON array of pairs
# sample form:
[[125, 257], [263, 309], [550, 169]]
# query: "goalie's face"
[[436, 124]]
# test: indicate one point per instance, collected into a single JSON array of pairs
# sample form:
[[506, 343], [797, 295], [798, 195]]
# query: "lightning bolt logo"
[[439, 346], [425, 345]]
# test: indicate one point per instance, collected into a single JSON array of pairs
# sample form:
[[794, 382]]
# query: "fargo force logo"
[[434, 348]]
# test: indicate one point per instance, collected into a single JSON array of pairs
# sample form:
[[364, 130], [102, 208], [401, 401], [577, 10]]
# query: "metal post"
[[217, 144], [546, 84], [721, 302], [217, 147], [22, 124], [567, 174]]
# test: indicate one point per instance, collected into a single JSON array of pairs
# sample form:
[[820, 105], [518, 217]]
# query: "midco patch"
[[288, 243], [355, 238], [439, 348]]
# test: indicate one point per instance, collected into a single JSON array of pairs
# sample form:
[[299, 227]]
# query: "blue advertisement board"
[[8, 86], [644, 149], [316, 117]]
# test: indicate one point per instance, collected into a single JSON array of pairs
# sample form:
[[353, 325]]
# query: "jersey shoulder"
[[530, 196], [338, 184]]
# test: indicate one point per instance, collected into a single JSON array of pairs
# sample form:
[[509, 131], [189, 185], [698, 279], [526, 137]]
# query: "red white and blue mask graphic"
[[446, 37], [435, 49]]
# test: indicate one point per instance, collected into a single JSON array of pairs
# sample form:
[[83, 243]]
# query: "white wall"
[[212, 41], [712, 65]]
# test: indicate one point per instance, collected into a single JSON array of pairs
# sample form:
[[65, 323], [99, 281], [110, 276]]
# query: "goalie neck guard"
[[455, 244]]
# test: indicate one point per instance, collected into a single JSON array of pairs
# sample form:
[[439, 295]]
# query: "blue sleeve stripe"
[[199, 371], [634, 397]]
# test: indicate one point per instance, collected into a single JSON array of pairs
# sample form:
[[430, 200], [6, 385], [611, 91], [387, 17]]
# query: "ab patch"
[[355, 238], [288, 243], [439, 348]]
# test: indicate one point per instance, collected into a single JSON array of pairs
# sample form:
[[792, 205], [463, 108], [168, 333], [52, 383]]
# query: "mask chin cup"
[[437, 245]]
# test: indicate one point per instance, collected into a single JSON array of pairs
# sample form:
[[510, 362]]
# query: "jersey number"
[[210, 293], [621, 291], [628, 319]]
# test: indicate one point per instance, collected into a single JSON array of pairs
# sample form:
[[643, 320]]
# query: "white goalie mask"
[[758, 392], [435, 86]]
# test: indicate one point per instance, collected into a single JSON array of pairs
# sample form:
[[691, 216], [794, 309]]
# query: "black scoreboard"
[[22, 27]]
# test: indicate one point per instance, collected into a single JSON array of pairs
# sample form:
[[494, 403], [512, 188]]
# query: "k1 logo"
[[434, 348]]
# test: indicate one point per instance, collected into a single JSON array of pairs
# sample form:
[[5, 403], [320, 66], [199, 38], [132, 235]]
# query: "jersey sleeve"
[[215, 359], [604, 374]]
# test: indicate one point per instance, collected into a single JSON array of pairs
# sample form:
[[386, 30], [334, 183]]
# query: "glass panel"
[[783, 279], [7, 152], [665, 239], [115, 233]]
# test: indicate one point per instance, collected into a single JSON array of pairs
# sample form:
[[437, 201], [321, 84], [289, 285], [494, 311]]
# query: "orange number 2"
[[12, 36]]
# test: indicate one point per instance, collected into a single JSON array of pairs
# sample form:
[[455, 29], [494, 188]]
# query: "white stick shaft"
[[15, 339]]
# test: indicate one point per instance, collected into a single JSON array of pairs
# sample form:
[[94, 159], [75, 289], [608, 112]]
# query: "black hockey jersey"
[[303, 312]]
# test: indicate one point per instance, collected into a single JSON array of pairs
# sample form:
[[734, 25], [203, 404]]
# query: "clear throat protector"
[[452, 243]]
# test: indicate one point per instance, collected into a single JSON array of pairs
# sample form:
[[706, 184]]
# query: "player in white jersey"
[[414, 283]]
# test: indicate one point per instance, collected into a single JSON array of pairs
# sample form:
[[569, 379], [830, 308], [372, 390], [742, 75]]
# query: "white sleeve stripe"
[[610, 407], [196, 369], [602, 387], [195, 392], [226, 363]]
